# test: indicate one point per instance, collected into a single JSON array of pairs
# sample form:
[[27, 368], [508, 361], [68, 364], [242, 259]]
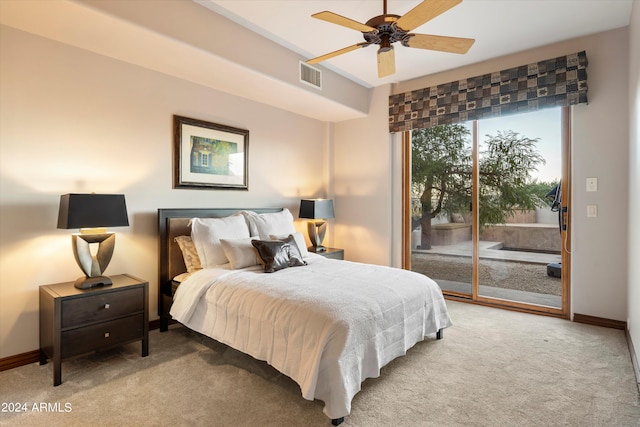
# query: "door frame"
[[475, 298]]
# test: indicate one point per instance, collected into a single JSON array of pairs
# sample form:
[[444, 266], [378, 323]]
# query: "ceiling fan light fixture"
[[385, 44]]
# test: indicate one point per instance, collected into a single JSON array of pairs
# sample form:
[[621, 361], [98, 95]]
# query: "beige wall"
[[363, 180], [74, 121], [633, 303]]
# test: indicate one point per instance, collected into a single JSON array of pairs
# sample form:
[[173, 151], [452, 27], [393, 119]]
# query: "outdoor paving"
[[491, 251]]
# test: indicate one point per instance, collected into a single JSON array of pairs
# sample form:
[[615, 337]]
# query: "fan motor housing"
[[386, 28]]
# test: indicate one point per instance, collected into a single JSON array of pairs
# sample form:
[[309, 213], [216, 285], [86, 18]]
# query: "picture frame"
[[209, 155]]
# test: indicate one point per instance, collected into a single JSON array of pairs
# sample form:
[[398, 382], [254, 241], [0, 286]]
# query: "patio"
[[505, 274]]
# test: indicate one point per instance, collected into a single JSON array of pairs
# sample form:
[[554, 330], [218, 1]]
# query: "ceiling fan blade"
[[423, 12], [336, 53], [386, 63], [334, 18], [441, 43]]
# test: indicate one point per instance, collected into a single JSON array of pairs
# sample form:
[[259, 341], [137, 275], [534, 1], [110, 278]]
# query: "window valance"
[[555, 82]]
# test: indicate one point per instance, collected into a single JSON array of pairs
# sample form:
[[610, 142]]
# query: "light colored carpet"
[[493, 368]]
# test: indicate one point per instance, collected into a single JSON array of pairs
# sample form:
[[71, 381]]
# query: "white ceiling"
[[500, 27]]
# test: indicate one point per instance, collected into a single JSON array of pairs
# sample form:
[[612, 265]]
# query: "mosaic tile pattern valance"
[[555, 82]]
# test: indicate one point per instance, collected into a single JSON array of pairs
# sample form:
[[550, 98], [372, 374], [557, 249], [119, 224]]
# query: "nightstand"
[[76, 321], [333, 253]]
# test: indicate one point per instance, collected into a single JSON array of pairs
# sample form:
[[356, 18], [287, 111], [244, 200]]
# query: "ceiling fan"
[[386, 29]]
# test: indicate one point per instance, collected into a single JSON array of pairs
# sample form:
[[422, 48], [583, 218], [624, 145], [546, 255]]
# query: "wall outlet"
[[592, 184]]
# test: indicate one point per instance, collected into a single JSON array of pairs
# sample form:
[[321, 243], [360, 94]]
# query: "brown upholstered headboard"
[[173, 223]]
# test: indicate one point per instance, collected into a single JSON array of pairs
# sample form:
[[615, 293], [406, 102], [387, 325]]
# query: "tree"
[[542, 188], [441, 175]]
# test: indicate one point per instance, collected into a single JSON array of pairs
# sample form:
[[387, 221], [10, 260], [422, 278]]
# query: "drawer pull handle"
[[106, 306], [106, 334]]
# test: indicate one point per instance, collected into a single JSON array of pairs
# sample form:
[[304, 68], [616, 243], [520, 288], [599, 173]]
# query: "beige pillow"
[[189, 253], [240, 252]]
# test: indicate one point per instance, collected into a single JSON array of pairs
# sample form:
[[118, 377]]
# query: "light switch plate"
[[592, 184], [592, 211]]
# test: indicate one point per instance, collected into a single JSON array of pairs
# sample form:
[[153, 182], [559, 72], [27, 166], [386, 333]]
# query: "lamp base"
[[316, 230], [85, 282]]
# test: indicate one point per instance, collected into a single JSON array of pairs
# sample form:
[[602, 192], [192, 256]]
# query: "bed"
[[327, 324]]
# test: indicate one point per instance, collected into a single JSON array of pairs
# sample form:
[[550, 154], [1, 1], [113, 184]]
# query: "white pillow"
[[207, 232], [299, 238], [276, 223], [247, 216], [240, 252]]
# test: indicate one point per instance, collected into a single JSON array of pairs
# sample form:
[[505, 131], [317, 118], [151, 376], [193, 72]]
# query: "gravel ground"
[[500, 274]]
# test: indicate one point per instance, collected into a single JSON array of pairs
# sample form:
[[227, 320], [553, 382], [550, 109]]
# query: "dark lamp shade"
[[316, 209], [92, 210]]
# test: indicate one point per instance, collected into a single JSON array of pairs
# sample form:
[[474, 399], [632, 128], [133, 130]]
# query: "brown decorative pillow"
[[277, 254], [299, 239], [295, 249]]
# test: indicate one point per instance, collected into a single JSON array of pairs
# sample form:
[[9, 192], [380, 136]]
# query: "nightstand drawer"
[[94, 337], [101, 307]]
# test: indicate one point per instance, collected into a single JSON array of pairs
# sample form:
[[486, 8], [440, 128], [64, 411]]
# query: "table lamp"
[[92, 214], [317, 210]]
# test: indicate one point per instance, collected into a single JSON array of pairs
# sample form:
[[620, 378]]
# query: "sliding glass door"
[[520, 236], [486, 200], [441, 190]]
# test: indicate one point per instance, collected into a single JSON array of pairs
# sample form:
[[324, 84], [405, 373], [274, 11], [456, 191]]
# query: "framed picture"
[[209, 156]]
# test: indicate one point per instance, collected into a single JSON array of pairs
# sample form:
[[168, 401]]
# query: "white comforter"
[[328, 325]]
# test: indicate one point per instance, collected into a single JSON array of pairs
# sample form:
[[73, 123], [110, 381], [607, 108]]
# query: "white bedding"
[[328, 325]]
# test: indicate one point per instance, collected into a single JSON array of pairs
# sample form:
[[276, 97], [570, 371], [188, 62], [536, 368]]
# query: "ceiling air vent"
[[310, 75]]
